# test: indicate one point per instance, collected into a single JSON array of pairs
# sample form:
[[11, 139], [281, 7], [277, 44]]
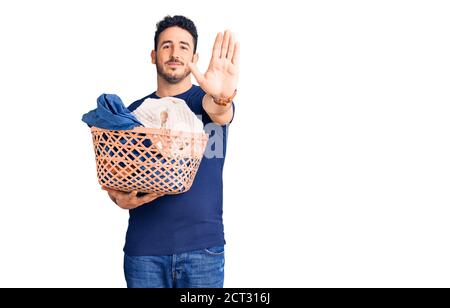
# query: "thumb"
[[133, 193], [199, 76]]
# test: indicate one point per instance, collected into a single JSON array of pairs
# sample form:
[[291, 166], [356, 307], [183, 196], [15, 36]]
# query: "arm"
[[221, 78], [221, 115]]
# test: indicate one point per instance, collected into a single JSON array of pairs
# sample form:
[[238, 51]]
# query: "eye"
[[184, 47]]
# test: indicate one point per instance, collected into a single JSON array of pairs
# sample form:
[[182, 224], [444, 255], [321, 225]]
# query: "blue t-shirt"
[[191, 220]]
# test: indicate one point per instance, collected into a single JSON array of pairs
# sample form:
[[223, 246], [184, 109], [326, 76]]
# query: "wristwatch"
[[224, 101]]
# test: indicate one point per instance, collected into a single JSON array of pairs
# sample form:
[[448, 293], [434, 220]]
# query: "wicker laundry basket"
[[147, 159]]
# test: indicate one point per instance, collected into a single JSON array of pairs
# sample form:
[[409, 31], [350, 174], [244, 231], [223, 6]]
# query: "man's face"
[[174, 51]]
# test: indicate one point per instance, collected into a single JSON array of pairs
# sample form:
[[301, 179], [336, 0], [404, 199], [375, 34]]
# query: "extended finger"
[[217, 46], [237, 48], [230, 47], [226, 41], [132, 196]]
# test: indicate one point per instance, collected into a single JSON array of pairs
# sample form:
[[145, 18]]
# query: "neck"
[[168, 89]]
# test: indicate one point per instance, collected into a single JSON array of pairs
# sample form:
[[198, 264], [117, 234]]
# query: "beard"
[[172, 79]]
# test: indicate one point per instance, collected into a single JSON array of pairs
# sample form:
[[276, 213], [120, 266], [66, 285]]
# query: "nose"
[[175, 54]]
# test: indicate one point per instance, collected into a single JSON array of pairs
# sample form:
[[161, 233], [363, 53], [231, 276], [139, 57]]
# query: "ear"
[[195, 58], [153, 54]]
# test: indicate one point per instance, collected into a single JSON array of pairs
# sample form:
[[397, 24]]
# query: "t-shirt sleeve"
[[194, 101]]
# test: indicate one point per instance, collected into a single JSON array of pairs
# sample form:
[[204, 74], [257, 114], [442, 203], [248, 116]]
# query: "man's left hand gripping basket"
[[147, 159]]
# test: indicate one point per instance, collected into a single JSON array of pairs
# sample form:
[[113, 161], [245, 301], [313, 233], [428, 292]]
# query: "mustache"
[[175, 60]]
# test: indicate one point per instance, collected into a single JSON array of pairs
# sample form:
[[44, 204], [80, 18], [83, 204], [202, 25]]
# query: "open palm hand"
[[221, 78]]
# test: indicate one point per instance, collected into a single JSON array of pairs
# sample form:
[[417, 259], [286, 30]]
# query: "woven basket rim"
[[159, 131]]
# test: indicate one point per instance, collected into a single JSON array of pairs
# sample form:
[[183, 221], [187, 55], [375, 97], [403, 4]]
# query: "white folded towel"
[[169, 113]]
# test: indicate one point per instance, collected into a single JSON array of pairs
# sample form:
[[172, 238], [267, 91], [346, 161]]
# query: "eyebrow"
[[181, 42], [185, 43]]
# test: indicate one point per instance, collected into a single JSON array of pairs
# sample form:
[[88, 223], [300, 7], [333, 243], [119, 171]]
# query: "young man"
[[178, 240]]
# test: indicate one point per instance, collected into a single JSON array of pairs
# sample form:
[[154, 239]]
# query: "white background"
[[338, 163]]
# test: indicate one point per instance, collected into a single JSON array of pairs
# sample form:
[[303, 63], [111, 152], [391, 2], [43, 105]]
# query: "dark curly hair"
[[176, 21]]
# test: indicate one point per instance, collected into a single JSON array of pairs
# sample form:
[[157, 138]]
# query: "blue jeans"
[[202, 268]]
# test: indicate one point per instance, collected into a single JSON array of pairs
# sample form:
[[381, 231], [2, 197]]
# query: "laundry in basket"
[[152, 159]]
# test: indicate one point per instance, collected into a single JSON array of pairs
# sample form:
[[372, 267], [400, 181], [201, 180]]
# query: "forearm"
[[219, 114]]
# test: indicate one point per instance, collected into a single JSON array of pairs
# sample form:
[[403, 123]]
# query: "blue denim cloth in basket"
[[111, 113]]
